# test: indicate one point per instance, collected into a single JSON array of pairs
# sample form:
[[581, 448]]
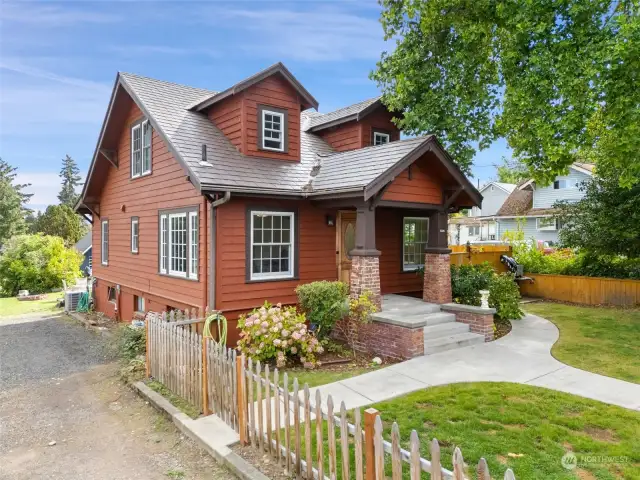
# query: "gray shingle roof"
[[358, 168], [318, 120]]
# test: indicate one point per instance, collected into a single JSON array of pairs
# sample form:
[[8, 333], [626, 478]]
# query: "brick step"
[[450, 342], [444, 330]]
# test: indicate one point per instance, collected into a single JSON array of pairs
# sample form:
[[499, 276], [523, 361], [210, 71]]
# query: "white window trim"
[[282, 133], [136, 236], [133, 129], [193, 273], [176, 273], [386, 136], [143, 171], [412, 268], [104, 259], [165, 238], [549, 228], [140, 126], [141, 300], [292, 253]]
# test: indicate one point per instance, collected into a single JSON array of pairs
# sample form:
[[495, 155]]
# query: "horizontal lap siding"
[[316, 252], [422, 188], [380, 121], [389, 242], [276, 92], [347, 136], [227, 116], [165, 188]]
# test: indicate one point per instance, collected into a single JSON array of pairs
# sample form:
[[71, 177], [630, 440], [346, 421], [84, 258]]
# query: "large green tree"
[[558, 79], [70, 175], [606, 221], [12, 201], [61, 221], [511, 171]]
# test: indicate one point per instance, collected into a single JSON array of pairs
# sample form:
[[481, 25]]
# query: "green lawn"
[[10, 306], [322, 377], [603, 340], [521, 427]]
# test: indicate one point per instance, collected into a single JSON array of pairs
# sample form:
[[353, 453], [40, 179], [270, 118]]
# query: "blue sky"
[[58, 62]]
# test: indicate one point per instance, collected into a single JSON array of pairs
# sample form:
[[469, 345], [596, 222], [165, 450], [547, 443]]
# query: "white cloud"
[[45, 187], [50, 15], [316, 34]]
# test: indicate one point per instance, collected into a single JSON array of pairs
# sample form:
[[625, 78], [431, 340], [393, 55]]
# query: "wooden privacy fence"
[[475, 255], [585, 290], [312, 441]]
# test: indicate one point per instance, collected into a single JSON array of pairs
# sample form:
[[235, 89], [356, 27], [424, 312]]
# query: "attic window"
[[272, 130], [380, 138], [140, 149]]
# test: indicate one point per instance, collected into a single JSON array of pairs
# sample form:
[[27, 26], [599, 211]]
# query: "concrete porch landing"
[[440, 329]]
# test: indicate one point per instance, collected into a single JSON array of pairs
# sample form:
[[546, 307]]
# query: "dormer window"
[[380, 138], [272, 129]]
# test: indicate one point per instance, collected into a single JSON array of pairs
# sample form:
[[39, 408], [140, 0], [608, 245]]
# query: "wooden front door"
[[346, 242]]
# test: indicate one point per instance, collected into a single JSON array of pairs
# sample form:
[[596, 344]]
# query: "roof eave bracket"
[[111, 156]]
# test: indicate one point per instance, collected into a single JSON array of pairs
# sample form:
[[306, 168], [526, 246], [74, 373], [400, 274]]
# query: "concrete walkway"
[[523, 356]]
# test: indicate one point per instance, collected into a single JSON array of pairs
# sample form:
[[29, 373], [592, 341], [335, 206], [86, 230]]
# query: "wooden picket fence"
[[310, 439], [303, 436]]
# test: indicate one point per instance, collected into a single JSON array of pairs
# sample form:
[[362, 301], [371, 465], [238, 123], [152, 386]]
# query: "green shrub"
[[504, 296], [324, 304], [468, 280], [38, 263], [272, 332], [130, 342]]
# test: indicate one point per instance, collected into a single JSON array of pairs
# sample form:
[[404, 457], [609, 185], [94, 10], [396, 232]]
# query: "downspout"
[[212, 246]]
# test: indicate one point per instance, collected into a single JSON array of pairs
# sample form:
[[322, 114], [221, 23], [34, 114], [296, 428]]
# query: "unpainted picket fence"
[[279, 418]]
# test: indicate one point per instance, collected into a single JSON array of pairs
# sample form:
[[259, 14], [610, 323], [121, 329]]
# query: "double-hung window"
[[415, 237], [135, 234], [474, 231], [271, 249], [141, 149], [104, 242], [380, 138], [179, 234], [273, 130]]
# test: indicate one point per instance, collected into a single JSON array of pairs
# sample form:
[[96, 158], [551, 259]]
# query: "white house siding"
[[492, 199], [545, 197], [529, 229]]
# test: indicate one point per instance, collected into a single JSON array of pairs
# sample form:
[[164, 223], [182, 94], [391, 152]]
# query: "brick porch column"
[[365, 258], [437, 262]]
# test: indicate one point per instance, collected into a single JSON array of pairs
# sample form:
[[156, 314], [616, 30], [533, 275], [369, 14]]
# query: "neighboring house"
[[84, 247], [479, 226], [227, 199], [531, 206]]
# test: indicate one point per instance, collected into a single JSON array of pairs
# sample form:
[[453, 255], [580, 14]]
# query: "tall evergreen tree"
[[12, 200], [70, 175]]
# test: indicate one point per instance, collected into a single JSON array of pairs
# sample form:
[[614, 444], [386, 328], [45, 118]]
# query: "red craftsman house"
[[227, 199]]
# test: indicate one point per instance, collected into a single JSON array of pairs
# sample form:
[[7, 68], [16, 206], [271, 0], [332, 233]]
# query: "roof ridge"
[[129, 74], [372, 99], [394, 143]]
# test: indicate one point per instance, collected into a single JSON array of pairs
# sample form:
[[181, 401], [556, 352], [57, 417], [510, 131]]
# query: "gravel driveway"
[[58, 384]]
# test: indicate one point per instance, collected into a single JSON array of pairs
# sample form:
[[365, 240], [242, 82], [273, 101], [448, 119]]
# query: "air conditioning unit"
[[71, 300]]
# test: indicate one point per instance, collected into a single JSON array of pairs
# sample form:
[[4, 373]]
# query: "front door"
[[346, 242]]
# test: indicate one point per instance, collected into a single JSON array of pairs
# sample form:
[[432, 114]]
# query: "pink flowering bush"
[[276, 332]]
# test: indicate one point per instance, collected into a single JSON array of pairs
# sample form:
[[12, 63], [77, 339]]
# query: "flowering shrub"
[[276, 332]]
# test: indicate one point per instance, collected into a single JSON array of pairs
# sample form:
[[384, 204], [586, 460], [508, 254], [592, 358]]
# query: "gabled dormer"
[[356, 126], [261, 114]]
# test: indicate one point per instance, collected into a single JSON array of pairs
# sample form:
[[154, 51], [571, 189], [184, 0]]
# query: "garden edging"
[[211, 433]]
